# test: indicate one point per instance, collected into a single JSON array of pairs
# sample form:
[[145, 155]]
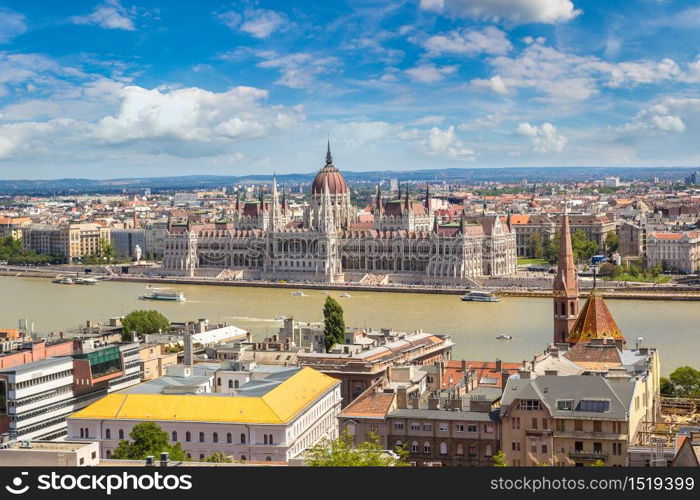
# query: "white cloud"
[[12, 24], [428, 120], [193, 114], [469, 42], [109, 15], [543, 139], [514, 11], [430, 73], [438, 142], [356, 134], [494, 84], [259, 23], [668, 115], [299, 70]]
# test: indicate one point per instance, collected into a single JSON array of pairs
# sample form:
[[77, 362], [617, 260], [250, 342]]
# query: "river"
[[671, 326]]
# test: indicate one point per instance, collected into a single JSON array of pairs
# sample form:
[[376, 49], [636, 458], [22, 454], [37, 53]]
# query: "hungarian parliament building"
[[406, 242]]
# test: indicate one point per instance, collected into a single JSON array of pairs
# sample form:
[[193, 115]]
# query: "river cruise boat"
[[298, 293], [156, 294], [477, 296], [504, 336], [63, 280]]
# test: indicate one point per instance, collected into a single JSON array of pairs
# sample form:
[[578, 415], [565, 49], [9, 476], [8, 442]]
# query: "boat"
[[345, 295], [298, 293], [163, 295], [504, 336], [63, 280], [85, 281], [477, 296]]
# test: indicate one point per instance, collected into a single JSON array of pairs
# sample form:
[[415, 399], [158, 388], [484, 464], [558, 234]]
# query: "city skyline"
[[145, 89]]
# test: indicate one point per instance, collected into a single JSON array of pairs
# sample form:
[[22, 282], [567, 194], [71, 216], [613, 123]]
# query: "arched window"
[[218, 381], [201, 437], [265, 439], [82, 432], [235, 384], [426, 447], [230, 384], [215, 437], [443, 448], [268, 459], [201, 456], [414, 446], [229, 438], [242, 438], [121, 434], [188, 436], [563, 309], [399, 443], [269, 439], [571, 309], [243, 458], [108, 434], [174, 436]]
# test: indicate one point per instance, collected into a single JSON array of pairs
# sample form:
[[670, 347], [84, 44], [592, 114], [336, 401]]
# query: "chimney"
[[498, 365], [189, 350], [150, 461], [440, 368], [164, 459], [433, 402], [504, 378], [248, 337], [88, 324], [525, 374], [401, 399]]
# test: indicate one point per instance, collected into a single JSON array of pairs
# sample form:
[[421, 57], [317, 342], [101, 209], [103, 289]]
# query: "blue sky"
[[112, 88]]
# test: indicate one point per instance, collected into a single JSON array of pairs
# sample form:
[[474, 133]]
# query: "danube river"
[[672, 326]]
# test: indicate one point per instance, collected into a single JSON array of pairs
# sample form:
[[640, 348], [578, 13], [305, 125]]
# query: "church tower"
[[565, 288]]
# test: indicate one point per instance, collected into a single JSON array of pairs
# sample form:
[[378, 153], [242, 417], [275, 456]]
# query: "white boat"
[[163, 295], [85, 281], [63, 280], [345, 295], [477, 296], [298, 293], [503, 336]]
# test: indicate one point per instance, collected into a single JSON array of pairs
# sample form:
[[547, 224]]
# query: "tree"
[[535, 247], [107, 250], [686, 382], [612, 242], [218, 458], [143, 322], [342, 452], [499, 459], [666, 387], [147, 439], [582, 247], [334, 324], [598, 463]]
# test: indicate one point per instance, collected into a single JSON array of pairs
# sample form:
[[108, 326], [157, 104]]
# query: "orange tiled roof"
[[375, 404], [594, 322]]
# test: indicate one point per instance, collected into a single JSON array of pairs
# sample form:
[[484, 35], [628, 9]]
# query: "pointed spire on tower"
[[427, 197], [462, 223], [329, 156], [238, 200], [565, 287], [378, 203], [407, 202]]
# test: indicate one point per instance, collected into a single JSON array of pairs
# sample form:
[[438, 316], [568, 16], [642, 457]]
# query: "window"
[[545, 423], [597, 447], [235, 384], [533, 446], [617, 448], [399, 443], [269, 439], [459, 427], [398, 426], [593, 405], [472, 450], [442, 427], [94, 455], [529, 404], [243, 458], [82, 432], [215, 437], [229, 438], [265, 439], [201, 437], [108, 434], [534, 423], [242, 439], [515, 423], [174, 436], [578, 425], [230, 384], [426, 447], [565, 404], [415, 426], [597, 426], [201, 456], [617, 427], [488, 451], [188, 436], [488, 428], [460, 449], [544, 448], [515, 445], [218, 381], [578, 446], [560, 425], [443, 448], [108, 453], [121, 433], [414, 446], [82, 461], [472, 428], [268, 458], [427, 427]]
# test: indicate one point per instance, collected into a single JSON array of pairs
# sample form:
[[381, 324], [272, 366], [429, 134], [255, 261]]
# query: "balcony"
[[532, 431], [588, 455]]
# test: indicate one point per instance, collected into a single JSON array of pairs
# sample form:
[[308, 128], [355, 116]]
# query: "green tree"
[[535, 247], [143, 322], [666, 387], [334, 324], [582, 247], [686, 382], [499, 459], [606, 269], [147, 439], [612, 242], [598, 463], [342, 452], [218, 458]]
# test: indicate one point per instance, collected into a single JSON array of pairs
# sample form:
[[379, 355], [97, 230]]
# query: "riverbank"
[[684, 293]]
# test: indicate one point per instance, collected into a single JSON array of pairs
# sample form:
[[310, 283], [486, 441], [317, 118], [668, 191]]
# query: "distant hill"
[[472, 175]]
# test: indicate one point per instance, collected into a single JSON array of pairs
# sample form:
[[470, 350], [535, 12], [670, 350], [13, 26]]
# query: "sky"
[[145, 88]]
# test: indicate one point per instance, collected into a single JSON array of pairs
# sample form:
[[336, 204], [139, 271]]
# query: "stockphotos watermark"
[[108, 483]]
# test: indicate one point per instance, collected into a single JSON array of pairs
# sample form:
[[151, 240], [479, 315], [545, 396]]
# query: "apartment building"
[[12, 226], [72, 241], [679, 252], [125, 242], [271, 419]]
